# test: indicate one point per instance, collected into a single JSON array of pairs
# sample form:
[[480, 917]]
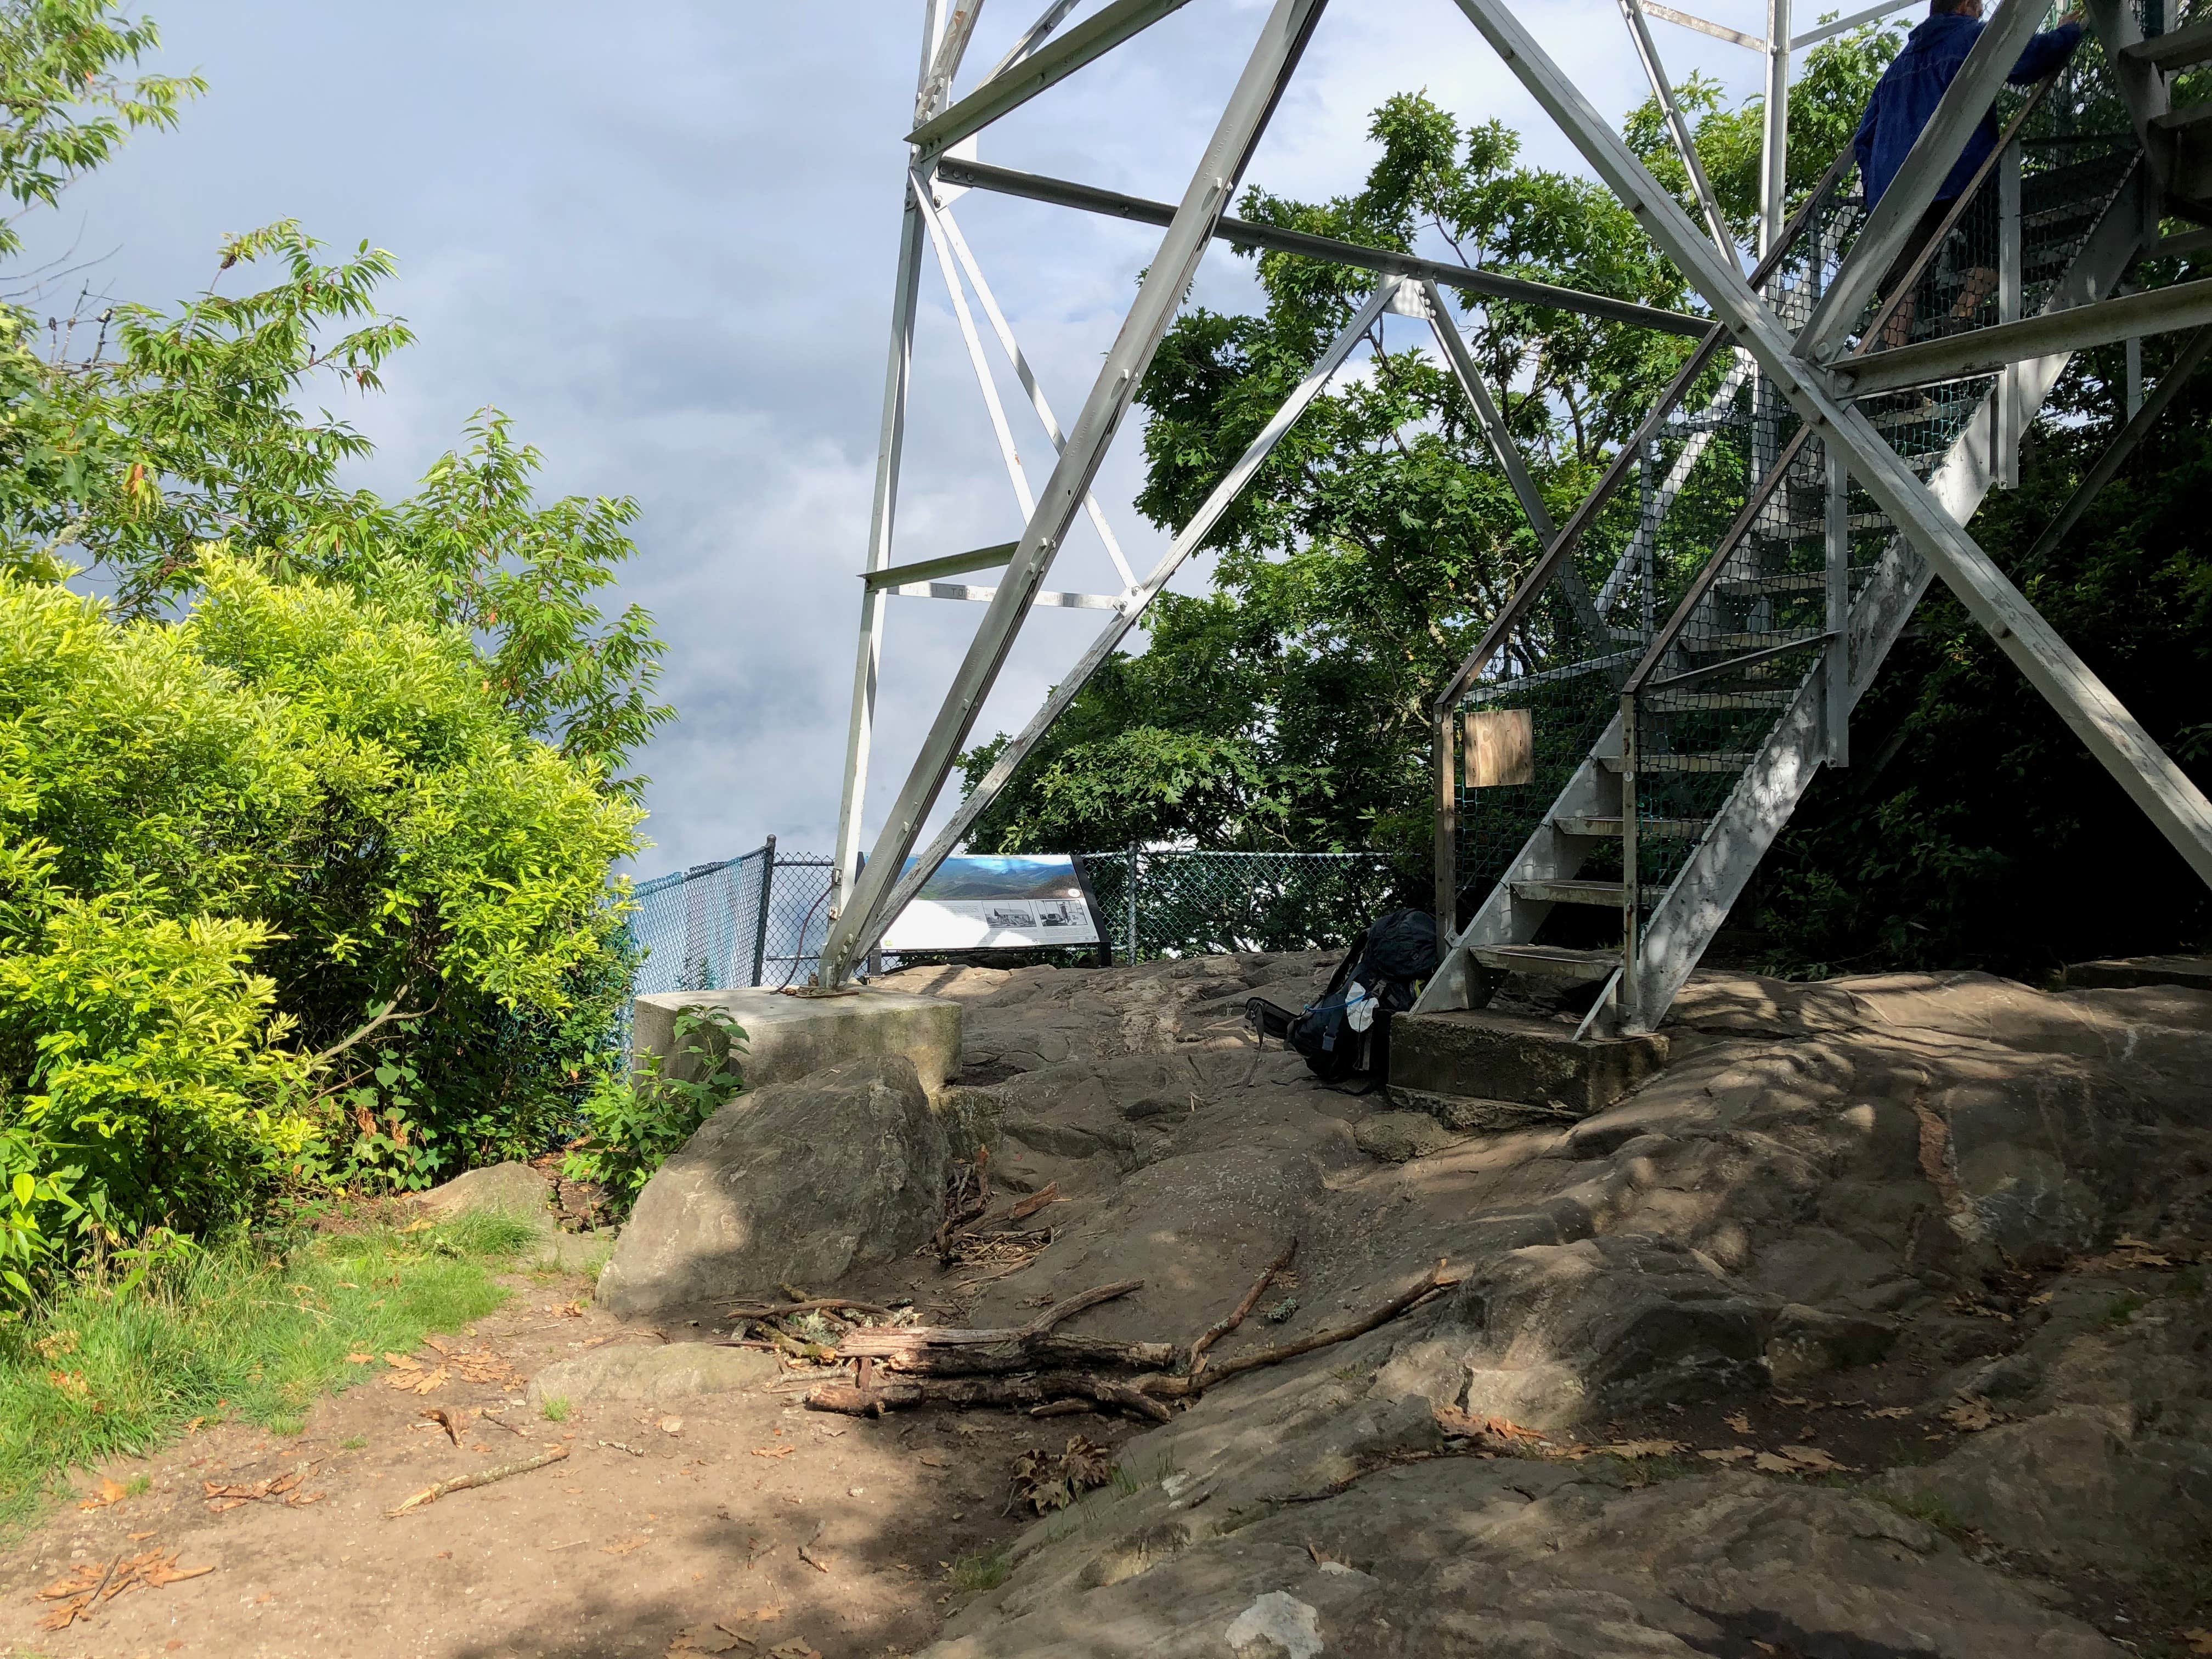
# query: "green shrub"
[[635, 1123], [260, 863]]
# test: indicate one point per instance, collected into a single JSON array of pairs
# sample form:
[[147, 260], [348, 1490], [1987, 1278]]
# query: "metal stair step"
[[1667, 829], [2184, 119], [1554, 963], [1698, 702], [1723, 762], [1750, 588], [1571, 892], [1730, 644], [2177, 49]]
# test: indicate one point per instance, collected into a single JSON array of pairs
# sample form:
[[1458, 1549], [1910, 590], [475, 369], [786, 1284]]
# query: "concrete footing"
[[2127, 973], [1476, 1070], [788, 1037]]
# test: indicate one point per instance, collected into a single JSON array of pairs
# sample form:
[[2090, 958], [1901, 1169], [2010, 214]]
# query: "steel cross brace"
[[1188, 540], [1283, 38], [2159, 788]]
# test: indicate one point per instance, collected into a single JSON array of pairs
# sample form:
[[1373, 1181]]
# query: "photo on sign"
[[1002, 901]]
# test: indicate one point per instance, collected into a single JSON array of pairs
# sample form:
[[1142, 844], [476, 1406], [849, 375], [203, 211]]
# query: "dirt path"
[[684, 1536]]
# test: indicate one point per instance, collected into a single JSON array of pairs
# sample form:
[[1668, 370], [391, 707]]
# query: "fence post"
[[1132, 902], [760, 920]]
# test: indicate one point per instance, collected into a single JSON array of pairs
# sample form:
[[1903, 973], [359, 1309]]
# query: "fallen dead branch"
[[1031, 1366], [89, 1584], [1035, 1389], [1195, 1359], [965, 1203], [481, 1478]]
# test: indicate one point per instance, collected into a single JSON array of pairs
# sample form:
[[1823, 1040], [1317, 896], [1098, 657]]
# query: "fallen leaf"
[[1971, 1414], [2200, 1641], [1772, 1464], [361, 1360], [1633, 1450], [773, 1451], [794, 1648], [1891, 1411], [1812, 1459], [931, 1461], [111, 1491], [138, 1537], [625, 1547], [1728, 1454], [403, 1362], [450, 1421], [1739, 1421]]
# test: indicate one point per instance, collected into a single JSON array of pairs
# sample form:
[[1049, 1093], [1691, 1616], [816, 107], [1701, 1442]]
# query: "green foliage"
[[248, 1329], [319, 786], [306, 829], [67, 110], [635, 1123], [1287, 708]]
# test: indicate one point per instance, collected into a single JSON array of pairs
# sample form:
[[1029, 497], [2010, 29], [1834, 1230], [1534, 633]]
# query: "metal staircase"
[[1687, 655]]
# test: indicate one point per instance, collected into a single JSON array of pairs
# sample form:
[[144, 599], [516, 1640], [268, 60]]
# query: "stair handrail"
[[1625, 459]]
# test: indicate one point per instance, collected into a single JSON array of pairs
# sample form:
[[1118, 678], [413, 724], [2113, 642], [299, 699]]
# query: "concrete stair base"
[[2130, 973], [1473, 1069]]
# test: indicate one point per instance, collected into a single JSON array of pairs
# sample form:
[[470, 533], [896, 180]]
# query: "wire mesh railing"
[[1180, 903]]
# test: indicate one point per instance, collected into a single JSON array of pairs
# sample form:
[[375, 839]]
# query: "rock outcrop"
[[801, 1183], [1860, 1222]]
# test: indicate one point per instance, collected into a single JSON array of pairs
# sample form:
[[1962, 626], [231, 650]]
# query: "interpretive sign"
[[997, 902]]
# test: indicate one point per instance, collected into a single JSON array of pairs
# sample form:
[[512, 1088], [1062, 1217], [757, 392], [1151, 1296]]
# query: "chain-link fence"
[[1196, 903], [758, 919]]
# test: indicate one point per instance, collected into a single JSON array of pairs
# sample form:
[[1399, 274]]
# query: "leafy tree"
[[306, 829]]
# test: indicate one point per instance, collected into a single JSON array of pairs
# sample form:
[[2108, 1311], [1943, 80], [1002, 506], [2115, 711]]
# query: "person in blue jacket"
[[1904, 101]]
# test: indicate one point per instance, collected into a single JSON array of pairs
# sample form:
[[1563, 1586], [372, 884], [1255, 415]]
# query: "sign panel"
[[994, 903]]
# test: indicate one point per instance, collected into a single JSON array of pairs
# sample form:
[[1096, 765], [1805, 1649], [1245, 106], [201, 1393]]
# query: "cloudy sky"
[[661, 237]]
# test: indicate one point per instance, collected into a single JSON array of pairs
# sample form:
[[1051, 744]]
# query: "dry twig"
[[481, 1478]]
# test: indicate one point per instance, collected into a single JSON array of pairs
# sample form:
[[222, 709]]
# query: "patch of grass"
[[2124, 1309], [556, 1408], [985, 1570], [1927, 1508], [250, 1328], [1128, 1482], [354, 1442], [2190, 1282]]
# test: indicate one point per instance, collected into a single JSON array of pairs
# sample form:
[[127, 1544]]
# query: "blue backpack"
[[1347, 1030]]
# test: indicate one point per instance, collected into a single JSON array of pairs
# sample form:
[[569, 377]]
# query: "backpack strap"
[[1343, 970]]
